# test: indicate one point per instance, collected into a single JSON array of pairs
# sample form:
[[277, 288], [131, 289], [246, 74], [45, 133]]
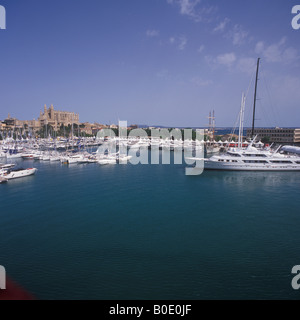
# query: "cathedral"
[[57, 118]]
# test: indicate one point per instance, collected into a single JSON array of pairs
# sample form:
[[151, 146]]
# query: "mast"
[[241, 128], [255, 92], [72, 132], [209, 124], [213, 125]]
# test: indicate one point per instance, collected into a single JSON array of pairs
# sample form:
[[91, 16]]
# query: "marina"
[[149, 151], [105, 223], [241, 155], [96, 216], [172, 235]]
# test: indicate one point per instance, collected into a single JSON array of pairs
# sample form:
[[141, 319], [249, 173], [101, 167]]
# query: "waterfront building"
[[57, 118], [277, 135], [91, 128], [10, 123], [49, 117], [230, 137], [2, 126]]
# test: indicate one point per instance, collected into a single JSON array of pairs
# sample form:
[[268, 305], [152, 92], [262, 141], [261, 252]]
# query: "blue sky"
[[164, 62]]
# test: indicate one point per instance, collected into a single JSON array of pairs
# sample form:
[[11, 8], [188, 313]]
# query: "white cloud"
[[180, 42], [271, 53], [152, 33], [201, 48], [285, 91], [192, 9], [277, 52], [188, 7], [201, 82], [221, 26], [233, 62], [246, 65], [259, 47], [290, 55], [226, 59], [238, 35]]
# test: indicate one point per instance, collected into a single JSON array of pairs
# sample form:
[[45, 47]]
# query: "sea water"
[[150, 232]]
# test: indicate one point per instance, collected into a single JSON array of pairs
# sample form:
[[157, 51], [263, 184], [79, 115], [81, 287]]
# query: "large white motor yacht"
[[253, 159]]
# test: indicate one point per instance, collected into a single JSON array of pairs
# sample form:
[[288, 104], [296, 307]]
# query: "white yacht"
[[107, 160], [2, 154], [253, 159], [6, 166], [13, 155], [123, 158], [212, 149], [54, 158], [71, 158], [17, 173]]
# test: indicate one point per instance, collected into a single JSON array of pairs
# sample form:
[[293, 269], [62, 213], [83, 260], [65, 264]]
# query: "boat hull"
[[241, 167], [19, 174], [2, 180]]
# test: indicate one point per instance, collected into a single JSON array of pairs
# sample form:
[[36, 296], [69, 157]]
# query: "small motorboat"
[[17, 173], [6, 166]]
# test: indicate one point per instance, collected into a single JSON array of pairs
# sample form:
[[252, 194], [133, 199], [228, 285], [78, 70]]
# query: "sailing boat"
[[251, 158]]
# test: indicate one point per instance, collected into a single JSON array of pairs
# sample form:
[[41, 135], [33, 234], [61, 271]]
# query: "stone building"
[[91, 128], [10, 123], [13, 123], [2, 126], [57, 118], [49, 117], [86, 128]]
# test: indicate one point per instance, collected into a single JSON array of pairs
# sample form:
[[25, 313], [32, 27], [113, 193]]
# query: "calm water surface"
[[150, 232]]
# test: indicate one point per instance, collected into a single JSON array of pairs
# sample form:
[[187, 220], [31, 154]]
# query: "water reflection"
[[254, 178]]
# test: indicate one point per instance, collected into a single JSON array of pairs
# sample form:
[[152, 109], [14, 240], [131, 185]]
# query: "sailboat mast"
[[255, 92], [213, 124], [241, 128]]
